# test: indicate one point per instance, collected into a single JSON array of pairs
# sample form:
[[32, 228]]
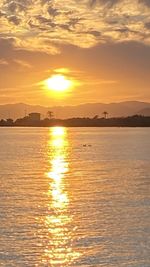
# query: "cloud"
[[63, 70], [105, 2], [3, 62], [53, 11], [147, 25], [6, 46], [14, 19], [23, 63], [113, 2], [146, 2], [46, 25]]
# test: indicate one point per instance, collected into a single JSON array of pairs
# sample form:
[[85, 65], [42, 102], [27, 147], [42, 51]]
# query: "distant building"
[[35, 116]]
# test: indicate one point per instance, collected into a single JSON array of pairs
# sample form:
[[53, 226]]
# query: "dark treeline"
[[133, 121]]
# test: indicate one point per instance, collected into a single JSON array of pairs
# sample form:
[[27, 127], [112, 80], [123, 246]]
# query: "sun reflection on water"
[[59, 223]]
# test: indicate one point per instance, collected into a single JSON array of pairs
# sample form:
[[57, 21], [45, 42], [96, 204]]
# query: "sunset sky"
[[102, 48]]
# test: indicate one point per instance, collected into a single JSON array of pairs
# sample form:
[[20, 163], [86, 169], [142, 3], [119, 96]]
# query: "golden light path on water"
[[59, 223]]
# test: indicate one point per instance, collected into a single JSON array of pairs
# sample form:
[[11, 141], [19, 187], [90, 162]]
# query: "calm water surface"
[[74, 197]]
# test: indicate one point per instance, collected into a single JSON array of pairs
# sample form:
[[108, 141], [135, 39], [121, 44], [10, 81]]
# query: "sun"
[[58, 83]]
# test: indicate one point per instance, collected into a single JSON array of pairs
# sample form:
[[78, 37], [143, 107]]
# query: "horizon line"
[[81, 104]]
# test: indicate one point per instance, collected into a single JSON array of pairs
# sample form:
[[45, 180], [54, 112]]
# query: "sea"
[[74, 197]]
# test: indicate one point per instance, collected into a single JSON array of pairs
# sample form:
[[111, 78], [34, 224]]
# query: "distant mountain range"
[[127, 108]]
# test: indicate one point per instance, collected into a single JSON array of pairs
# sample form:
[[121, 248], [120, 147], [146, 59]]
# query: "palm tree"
[[105, 113], [50, 114]]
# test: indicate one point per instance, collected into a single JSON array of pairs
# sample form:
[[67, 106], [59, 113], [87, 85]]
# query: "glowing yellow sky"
[[102, 46]]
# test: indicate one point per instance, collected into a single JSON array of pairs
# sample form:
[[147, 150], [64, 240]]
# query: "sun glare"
[[59, 83], [58, 131]]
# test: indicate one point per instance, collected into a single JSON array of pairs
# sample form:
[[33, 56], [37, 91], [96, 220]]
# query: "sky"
[[102, 46]]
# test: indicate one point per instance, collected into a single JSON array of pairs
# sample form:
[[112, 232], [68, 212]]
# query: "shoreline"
[[132, 121]]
